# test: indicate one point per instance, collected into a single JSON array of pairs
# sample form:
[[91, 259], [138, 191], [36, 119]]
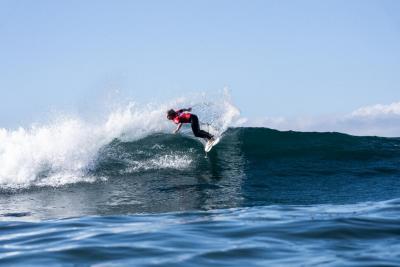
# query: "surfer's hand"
[[178, 128]]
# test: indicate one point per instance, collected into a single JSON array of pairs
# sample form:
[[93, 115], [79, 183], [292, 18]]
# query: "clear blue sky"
[[279, 58]]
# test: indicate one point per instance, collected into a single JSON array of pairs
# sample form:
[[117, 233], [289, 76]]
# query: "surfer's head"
[[171, 114]]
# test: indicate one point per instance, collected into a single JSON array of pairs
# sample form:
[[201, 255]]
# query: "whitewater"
[[62, 151]]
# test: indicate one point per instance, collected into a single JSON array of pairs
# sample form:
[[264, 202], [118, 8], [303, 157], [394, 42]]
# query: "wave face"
[[259, 166], [249, 167]]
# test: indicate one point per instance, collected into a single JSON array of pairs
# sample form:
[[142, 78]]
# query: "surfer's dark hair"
[[171, 113]]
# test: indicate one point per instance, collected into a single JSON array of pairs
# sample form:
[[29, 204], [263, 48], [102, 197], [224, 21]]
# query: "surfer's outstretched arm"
[[178, 128]]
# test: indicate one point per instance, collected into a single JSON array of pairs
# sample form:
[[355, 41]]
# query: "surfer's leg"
[[196, 129], [206, 135], [195, 124]]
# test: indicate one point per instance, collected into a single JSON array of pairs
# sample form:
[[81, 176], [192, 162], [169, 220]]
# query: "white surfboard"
[[210, 145]]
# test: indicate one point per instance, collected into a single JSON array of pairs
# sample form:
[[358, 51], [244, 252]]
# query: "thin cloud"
[[377, 120], [378, 110]]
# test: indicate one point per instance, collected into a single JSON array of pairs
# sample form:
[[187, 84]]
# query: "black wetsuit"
[[196, 128]]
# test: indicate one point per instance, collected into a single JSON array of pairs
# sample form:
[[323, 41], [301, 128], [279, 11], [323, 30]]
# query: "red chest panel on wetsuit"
[[182, 117]]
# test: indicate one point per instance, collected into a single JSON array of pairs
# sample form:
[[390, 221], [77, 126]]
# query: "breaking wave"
[[66, 149]]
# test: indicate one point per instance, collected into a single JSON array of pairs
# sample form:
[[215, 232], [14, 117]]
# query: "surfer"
[[184, 116]]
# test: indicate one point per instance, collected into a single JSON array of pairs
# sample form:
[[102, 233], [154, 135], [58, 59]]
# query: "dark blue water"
[[261, 197]]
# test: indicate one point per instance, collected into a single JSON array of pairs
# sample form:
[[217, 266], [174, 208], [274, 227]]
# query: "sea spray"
[[65, 149]]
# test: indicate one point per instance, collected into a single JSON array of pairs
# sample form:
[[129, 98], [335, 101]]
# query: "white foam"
[[63, 150], [168, 161], [66, 146]]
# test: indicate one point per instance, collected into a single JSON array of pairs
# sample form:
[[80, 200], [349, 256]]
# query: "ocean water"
[[260, 197], [116, 194]]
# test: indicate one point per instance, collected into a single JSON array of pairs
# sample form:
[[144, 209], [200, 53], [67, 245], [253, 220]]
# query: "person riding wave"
[[184, 116]]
